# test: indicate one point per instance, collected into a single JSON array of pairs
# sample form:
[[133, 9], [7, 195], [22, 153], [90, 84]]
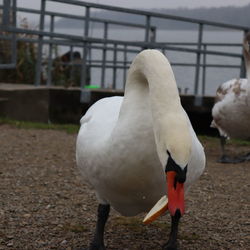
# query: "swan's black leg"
[[223, 157], [172, 242], [223, 140], [102, 216], [226, 159]]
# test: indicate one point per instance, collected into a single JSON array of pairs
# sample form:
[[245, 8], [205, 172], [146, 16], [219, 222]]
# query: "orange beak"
[[175, 194]]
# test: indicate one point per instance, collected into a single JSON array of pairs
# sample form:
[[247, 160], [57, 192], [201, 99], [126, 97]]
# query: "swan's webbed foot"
[[245, 157], [234, 160], [92, 247], [172, 242], [170, 246], [227, 159], [96, 247]]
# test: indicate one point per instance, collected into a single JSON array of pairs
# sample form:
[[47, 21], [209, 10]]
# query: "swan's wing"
[[101, 118], [96, 126], [234, 86]]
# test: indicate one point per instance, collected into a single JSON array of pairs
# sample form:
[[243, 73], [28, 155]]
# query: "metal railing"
[[9, 17], [88, 43]]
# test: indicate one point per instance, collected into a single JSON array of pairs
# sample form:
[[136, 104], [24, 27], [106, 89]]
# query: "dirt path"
[[44, 204]]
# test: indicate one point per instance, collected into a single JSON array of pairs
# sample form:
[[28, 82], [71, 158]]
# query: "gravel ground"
[[44, 204]]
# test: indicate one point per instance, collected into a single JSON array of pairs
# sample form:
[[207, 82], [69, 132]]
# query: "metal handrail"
[[152, 14], [152, 45], [88, 43], [78, 17]]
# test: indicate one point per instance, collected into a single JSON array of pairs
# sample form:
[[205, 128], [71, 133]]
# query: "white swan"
[[125, 146], [231, 112]]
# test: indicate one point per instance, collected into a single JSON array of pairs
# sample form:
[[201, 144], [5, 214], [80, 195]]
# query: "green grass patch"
[[208, 138], [132, 223], [135, 224], [69, 128], [73, 128], [228, 142], [239, 142]]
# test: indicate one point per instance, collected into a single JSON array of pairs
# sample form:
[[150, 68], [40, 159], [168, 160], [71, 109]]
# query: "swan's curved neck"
[[151, 70], [151, 80]]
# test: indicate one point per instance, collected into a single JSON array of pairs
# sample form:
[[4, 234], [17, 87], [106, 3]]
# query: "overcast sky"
[[172, 3], [138, 4], [153, 3]]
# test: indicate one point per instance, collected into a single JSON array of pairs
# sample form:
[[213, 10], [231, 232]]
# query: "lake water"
[[184, 75]]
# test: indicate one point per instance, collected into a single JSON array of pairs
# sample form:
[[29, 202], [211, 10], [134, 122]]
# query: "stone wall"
[[62, 105]]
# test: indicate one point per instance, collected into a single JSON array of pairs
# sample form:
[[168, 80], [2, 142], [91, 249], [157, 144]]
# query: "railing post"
[[147, 29], [198, 56], [114, 66], [72, 65], [6, 12], [85, 48], [204, 70], [13, 41], [9, 19], [40, 45], [152, 34], [104, 53], [125, 65], [51, 29]]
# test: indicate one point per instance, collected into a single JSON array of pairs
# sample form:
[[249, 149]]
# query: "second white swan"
[[231, 112]]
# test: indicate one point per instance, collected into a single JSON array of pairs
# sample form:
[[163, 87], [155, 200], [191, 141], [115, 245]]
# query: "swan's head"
[[175, 156], [176, 177]]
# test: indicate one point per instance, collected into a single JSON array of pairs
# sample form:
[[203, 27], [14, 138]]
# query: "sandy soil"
[[44, 204]]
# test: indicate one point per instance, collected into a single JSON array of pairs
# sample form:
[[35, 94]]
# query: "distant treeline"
[[229, 15]]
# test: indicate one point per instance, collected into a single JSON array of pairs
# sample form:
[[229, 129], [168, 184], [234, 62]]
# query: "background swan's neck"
[[247, 64], [247, 55]]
